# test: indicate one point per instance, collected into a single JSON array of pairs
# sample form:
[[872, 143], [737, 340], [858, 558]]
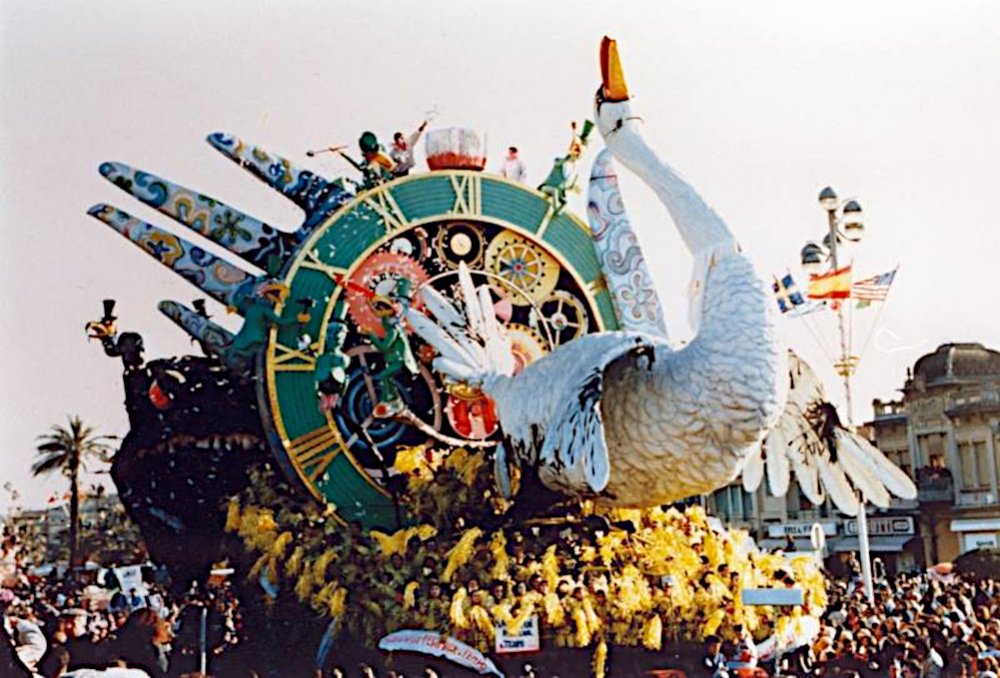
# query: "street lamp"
[[845, 224]]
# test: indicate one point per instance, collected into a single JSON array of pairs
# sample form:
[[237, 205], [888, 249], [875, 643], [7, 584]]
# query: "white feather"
[[888, 474], [441, 308], [870, 487], [808, 479], [473, 312], [777, 462], [499, 354], [796, 441], [753, 471], [441, 341], [457, 371], [837, 486]]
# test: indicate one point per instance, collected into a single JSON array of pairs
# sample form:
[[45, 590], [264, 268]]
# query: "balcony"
[[935, 490], [976, 498], [984, 400], [886, 410]]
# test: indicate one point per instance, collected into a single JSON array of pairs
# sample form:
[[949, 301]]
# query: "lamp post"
[[844, 224]]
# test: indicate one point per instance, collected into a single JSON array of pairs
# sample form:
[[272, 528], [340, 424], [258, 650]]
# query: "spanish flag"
[[833, 285]]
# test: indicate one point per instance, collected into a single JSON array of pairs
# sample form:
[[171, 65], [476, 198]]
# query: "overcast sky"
[[759, 104]]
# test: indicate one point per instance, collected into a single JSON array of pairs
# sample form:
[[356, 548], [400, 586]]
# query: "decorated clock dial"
[[353, 386]]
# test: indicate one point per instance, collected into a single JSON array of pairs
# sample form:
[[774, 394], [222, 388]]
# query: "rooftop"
[[954, 362]]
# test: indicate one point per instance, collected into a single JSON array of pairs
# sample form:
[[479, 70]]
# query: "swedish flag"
[[787, 293]]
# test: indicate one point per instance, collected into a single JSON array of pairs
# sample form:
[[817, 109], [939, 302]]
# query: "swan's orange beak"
[[613, 86]]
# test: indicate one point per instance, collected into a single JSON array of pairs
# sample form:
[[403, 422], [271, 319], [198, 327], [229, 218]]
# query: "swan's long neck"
[[731, 304], [700, 227]]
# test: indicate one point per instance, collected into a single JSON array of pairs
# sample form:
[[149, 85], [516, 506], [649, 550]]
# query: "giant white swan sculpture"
[[624, 419]]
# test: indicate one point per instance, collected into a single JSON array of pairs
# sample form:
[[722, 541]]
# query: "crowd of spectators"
[[57, 627], [919, 625]]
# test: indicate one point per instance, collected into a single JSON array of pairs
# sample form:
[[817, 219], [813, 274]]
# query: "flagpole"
[[828, 200], [844, 366]]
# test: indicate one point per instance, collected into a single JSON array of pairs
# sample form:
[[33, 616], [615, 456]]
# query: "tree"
[[983, 563], [67, 450]]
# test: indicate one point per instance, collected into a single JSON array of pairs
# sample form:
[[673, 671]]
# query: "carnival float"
[[453, 421]]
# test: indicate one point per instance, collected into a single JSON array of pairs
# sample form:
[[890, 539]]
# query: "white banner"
[[130, 577], [525, 641], [428, 642]]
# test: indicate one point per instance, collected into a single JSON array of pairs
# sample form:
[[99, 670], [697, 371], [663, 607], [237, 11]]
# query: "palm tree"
[[67, 450]]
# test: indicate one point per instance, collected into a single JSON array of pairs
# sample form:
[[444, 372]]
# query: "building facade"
[[945, 432], [893, 534]]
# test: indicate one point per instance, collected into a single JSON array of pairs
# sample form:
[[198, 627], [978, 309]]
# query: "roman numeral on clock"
[[386, 207], [314, 451], [292, 360], [312, 261], [468, 194]]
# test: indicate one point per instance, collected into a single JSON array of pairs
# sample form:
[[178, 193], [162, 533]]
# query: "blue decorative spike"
[[318, 197], [214, 340], [240, 233], [217, 278]]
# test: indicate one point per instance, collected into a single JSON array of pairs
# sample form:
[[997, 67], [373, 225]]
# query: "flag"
[[833, 285], [872, 289], [787, 293], [805, 309]]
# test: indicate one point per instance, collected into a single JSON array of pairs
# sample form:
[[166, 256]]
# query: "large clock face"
[[345, 391]]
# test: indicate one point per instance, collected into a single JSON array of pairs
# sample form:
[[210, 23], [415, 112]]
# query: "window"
[[793, 501], [747, 503], [973, 457], [722, 503], [982, 463], [900, 458], [932, 450], [733, 504], [968, 464]]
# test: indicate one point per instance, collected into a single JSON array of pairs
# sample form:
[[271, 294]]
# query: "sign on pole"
[[526, 640], [817, 537], [773, 596]]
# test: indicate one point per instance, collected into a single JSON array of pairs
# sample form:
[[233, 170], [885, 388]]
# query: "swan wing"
[[827, 457]]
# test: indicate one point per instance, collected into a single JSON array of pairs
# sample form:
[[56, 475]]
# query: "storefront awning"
[[976, 525], [880, 544]]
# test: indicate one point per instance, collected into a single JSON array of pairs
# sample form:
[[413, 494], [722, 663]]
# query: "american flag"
[[875, 288]]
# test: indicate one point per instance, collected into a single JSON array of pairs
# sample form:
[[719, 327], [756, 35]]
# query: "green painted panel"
[[505, 201], [576, 245], [350, 236], [297, 402], [424, 197], [607, 309], [308, 284], [354, 497]]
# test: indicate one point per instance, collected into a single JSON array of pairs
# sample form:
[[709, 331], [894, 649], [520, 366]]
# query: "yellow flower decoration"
[[652, 633], [461, 553]]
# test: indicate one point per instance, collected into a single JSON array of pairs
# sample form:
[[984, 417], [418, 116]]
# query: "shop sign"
[[978, 540], [776, 531], [884, 526]]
